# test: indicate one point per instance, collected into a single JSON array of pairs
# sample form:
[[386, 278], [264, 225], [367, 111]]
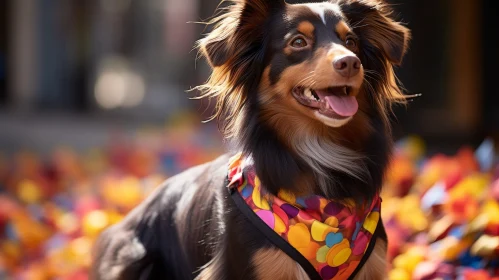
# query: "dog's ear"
[[247, 17], [372, 21], [236, 49]]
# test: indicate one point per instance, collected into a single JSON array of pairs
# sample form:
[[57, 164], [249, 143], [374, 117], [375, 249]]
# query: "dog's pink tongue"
[[345, 106]]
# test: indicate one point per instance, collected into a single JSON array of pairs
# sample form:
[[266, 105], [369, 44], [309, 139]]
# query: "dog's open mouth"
[[332, 102]]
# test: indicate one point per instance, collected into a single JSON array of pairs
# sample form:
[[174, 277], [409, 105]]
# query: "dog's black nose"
[[347, 66]]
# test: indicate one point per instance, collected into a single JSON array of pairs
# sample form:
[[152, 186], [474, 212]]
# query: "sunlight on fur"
[[375, 267], [273, 264]]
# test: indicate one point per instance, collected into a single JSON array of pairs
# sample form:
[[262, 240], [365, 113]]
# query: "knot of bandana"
[[333, 236]]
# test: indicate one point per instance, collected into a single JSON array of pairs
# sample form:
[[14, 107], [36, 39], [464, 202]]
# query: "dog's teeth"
[[345, 91], [308, 93], [316, 97]]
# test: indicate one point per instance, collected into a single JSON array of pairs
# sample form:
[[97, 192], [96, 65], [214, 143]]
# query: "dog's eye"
[[351, 43], [299, 43]]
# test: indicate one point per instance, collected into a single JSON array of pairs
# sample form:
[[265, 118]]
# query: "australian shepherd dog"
[[304, 91]]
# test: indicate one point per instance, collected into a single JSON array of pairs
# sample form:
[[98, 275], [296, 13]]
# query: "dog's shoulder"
[[172, 214]]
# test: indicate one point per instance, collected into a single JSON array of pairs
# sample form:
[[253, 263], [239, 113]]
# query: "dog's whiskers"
[[372, 72], [369, 85], [307, 78]]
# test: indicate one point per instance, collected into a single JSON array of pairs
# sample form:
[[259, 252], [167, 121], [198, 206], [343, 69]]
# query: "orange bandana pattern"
[[332, 236]]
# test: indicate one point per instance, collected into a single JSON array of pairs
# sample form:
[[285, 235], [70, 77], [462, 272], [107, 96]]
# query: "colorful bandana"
[[332, 236]]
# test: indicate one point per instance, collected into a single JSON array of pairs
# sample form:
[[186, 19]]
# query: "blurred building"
[[451, 62], [62, 55], [133, 60]]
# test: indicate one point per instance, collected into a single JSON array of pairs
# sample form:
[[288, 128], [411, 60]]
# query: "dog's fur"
[[189, 228]]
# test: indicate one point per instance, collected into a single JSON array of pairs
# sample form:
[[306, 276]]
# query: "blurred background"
[[93, 102]]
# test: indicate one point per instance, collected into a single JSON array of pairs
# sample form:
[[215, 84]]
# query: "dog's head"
[[319, 74], [315, 60]]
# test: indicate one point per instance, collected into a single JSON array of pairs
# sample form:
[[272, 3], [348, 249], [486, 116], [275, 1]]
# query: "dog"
[[305, 93]]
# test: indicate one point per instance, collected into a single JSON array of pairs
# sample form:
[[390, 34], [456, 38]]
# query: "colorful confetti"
[[441, 213]]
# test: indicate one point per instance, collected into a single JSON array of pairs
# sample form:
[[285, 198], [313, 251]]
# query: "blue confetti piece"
[[55, 242], [11, 233], [434, 196], [457, 232], [477, 264], [64, 201], [485, 155]]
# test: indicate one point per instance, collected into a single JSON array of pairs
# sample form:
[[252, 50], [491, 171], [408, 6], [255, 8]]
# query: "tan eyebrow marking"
[[307, 28], [342, 29]]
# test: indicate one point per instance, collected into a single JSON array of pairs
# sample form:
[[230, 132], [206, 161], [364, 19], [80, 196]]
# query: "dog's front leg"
[[119, 255], [265, 264], [272, 264], [375, 266]]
